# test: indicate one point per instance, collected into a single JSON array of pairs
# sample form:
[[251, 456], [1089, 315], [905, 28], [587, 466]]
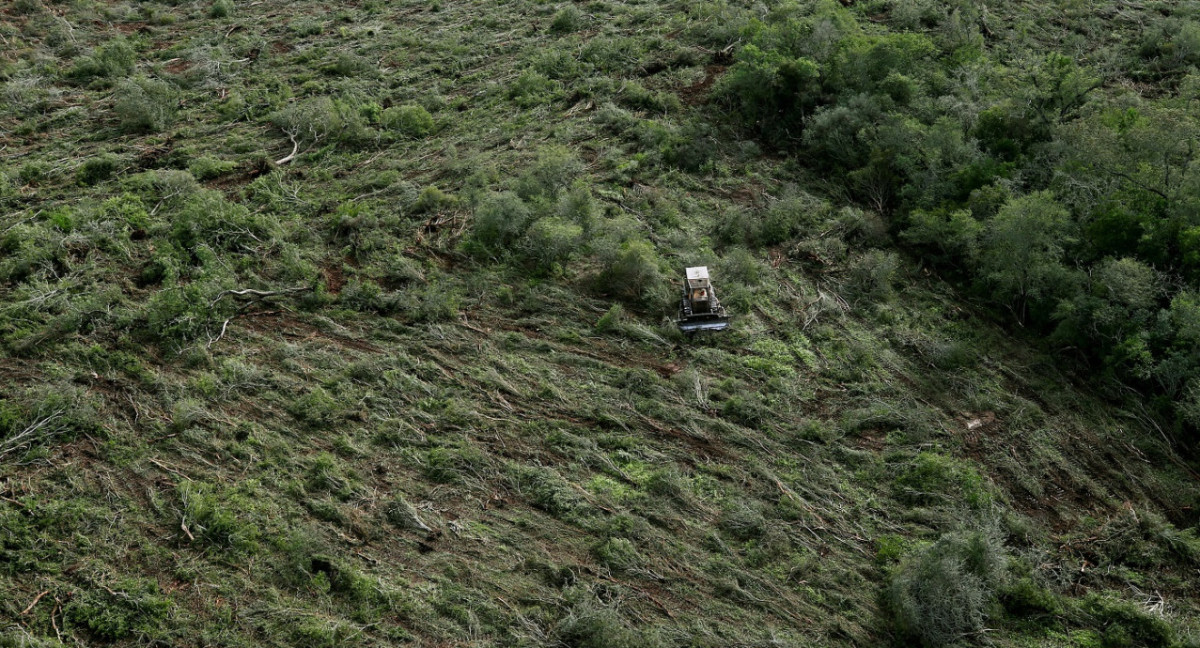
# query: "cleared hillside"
[[348, 324]]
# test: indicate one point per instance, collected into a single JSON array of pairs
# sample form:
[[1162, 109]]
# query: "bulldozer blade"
[[710, 325]]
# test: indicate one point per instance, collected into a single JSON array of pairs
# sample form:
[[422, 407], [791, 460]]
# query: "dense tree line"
[[1065, 194]]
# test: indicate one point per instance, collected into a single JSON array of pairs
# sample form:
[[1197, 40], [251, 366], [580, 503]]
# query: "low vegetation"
[[328, 325]]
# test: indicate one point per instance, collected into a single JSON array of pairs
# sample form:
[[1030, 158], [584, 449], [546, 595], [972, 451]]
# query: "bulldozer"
[[699, 308]]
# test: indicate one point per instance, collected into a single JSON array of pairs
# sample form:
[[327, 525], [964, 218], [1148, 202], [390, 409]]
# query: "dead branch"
[[258, 294], [35, 602], [221, 334], [295, 149], [23, 438]]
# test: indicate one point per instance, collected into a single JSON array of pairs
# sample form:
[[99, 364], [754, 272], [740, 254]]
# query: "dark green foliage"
[[317, 408], [533, 89], [97, 169], [549, 244], [130, 608], [453, 465], [1123, 624], [1024, 597], [629, 270], [566, 20], [209, 168], [113, 60], [145, 105], [552, 172], [941, 594], [934, 477], [432, 199], [500, 220], [221, 9], [410, 120]]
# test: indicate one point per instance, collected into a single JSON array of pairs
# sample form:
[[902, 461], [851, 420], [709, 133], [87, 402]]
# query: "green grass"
[[252, 387]]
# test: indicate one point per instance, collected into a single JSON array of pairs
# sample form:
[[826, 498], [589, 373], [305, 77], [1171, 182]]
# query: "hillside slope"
[[350, 325]]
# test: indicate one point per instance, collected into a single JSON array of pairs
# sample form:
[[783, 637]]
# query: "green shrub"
[[208, 218], [636, 96], [550, 243], [8, 185], [145, 105], [347, 64], [567, 20], [618, 554], [533, 89], [578, 206], [500, 220], [611, 320], [589, 624], [1124, 624], [178, 315], [629, 272], [553, 170], [317, 408], [889, 548], [743, 520], [934, 477], [871, 275], [547, 490], [32, 172], [321, 119], [438, 300], [326, 473], [404, 515], [219, 516], [453, 465], [115, 59], [691, 147], [167, 188], [1024, 597], [26, 7], [432, 199], [96, 170], [770, 91], [941, 595], [130, 608], [208, 168], [221, 9], [410, 120]]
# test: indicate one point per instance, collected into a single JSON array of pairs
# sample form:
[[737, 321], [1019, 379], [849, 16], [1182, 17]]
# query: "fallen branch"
[[57, 608], [290, 156], [221, 334], [25, 437], [35, 602], [259, 294]]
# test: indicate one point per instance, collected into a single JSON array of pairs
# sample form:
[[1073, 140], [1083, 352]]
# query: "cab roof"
[[698, 272]]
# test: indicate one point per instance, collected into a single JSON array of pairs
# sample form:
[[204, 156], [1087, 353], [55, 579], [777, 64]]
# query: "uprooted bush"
[[319, 120]]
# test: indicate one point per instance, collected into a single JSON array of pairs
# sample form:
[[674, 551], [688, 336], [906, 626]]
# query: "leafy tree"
[[1021, 253], [771, 92]]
